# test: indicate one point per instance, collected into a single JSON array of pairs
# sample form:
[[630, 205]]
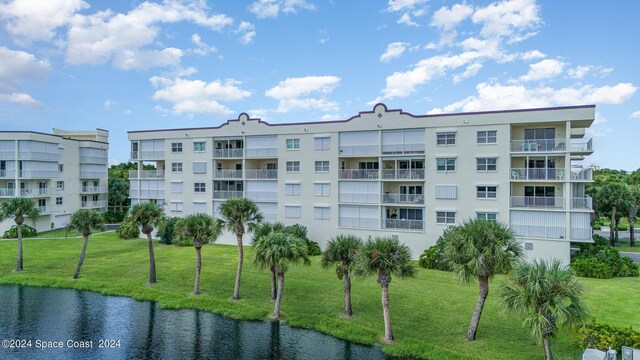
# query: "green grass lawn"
[[430, 314]]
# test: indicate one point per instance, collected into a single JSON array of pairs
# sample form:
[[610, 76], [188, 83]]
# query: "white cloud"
[[447, 19], [15, 67], [202, 48], [109, 104], [513, 19], [20, 98], [329, 117], [599, 127], [197, 96], [636, 114], [544, 69], [29, 22], [407, 9], [247, 31], [470, 71], [394, 50], [533, 55], [291, 93], [579, 71], [271, 8], [498, 96]]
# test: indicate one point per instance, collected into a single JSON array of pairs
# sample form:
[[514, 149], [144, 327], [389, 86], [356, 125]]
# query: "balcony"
[[38, 174], [262, 152], [537, 202], [537, 174], [228, 153], [538, 231], [7, 174], [359, 150], [403, 174], [225, 194], [146, 194], [261, 174], [49, 209], [389, 149], [39, 156], [538, 145], [7, 192], [359, 223], [146, 174], [262, 195], [147, 155], [582, 175], [361, 198], [7, 155], [402, 224], [86, 159], [582, 146], [84, 174], [93, 189], [93, 204], [227, 174], [394, 198], [582, 203], [38, 192], [366, 174]]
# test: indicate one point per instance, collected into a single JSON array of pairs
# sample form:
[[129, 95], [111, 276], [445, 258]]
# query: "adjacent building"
[[62, 172], [384, 173]]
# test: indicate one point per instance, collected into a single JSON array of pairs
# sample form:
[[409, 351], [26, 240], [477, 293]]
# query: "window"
[[176, 147], [487, 137], [176, 206], [446, 164], [488, 216], [446, 138], [199, 146], [199, 187], [58, 201], [293, 166], [199, 207], [322, 143], [322, 166], [293, 144], [60, 167], [292, 189], [292, 211], [176, 167], [321, 212], [445, 217], [487, 164], [199, 167], [176, 187], [60, 185], [487, 192], [321, 189]]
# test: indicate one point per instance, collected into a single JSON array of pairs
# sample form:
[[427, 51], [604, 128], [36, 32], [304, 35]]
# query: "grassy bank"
[[430, 313]]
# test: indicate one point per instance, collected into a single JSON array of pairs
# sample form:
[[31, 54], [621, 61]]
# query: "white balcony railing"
[[585, 202], [38, 192], [7, 192], [262, 152], [7, 155], [402, 224], [539, 145], [228, 153], [368, 174], [39, 155], [262, 195], [149, 194], [403, 148], [94, 204], [225, 194], [227, 174], [404, 174], [93, 159], [93, 189], [539, 231], [359, 150], [581, 233], [147, 155], [86, 174], [582, 145], [537, 202], [10, 174], [261, 174], [49, 209], [358, 198], [38, 174], [146, 174], [394, 198], [357, 222], [537, 174], [582, 175]]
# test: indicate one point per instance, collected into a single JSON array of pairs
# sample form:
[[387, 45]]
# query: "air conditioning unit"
[[629, 353], [594, 354]]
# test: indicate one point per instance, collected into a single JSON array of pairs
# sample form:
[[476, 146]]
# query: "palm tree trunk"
[[617, 224], [196, 286], [388, 334], [236, 289], [19, 265], [483, 282], [276, 309], [547, 348], [632, 219], [347, 295], [152, 261], [82, 254], [611, 231], [274, 288]]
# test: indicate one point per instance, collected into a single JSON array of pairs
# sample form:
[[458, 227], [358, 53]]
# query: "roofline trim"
[[54, 135]]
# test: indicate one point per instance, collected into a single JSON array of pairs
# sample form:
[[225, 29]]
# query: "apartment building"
[[384, 173], [62, 172]]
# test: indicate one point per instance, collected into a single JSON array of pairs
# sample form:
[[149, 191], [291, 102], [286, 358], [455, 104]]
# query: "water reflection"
[[145, 331]]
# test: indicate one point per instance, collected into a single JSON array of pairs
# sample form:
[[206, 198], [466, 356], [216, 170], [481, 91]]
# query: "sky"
[[133, 65]]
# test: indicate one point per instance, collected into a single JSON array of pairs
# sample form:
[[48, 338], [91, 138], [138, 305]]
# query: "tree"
[[260, 232], [202, 229], [547, 294], [84, 221], [341, 252], [480, 249], [633, 212], [385, 257], [239, 216], [280, 249], [614, 199], [145, 217], [19, 208], [118, 193]]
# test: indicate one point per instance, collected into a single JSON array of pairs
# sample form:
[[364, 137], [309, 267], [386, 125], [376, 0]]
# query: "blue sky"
[[132, 65]]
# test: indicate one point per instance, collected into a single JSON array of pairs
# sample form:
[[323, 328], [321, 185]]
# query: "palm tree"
[[280, 249], [261, 231], [84, 221], [341, 252], [202, 229], [19, 208], [145, 217], [633, 212], [480, 249], [239, 215], [615, 199], [548, 295], [385, 257]]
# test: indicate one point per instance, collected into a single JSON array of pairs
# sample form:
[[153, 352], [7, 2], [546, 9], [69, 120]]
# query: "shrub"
[[27, 232], [602, 262], [112, 216], [602, 336], [128, 229], [167, 230], [597, 226], [432, 258], [313, 248], [622, 227], [599, 240], [592, 268]]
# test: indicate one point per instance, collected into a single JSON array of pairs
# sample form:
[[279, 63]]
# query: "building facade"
[[62, 172], [384, 173]]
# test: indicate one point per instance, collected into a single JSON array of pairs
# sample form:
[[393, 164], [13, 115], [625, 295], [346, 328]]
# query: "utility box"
[[629, 353], [594, 354]]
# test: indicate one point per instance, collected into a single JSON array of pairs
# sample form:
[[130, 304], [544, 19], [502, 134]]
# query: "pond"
[[70, 324]]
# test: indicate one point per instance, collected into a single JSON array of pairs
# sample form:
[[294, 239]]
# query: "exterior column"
[[567, 180]]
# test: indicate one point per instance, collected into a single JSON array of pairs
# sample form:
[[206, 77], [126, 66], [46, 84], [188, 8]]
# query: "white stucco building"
[[62, 172], [384, 173]]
